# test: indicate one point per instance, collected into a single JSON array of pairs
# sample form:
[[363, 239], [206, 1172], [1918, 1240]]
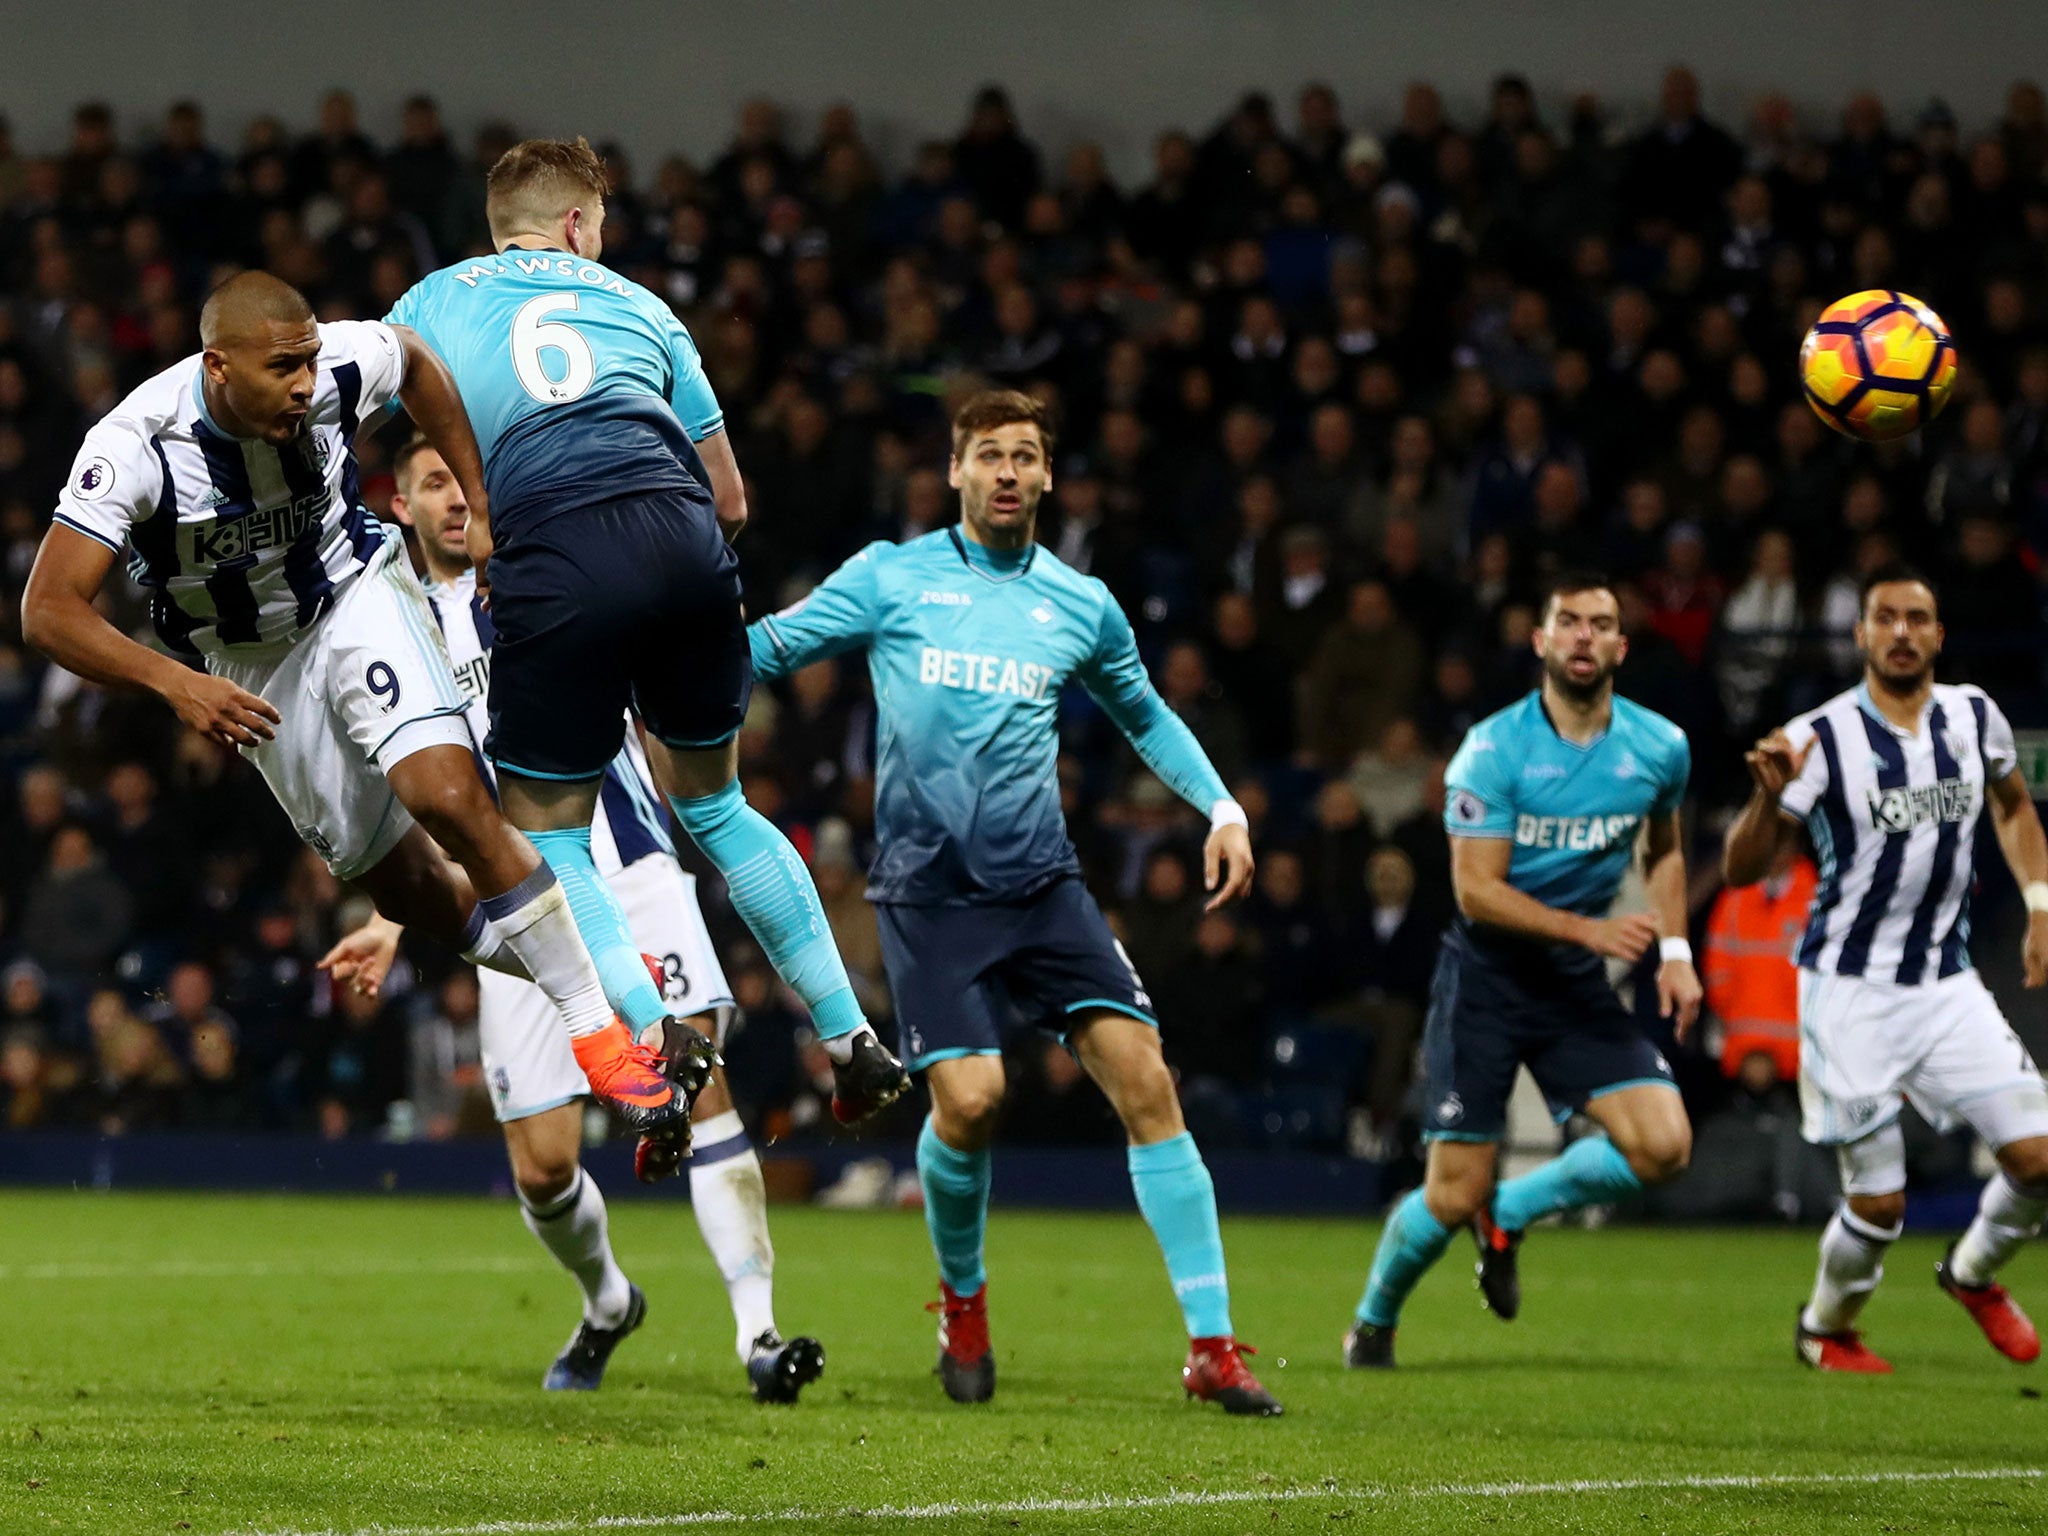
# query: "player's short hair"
[[1565, 583], [537, 181], [1891, 571], [401, 461], [994, 408]]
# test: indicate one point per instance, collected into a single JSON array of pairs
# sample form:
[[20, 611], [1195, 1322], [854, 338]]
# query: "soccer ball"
[[1877, 365]]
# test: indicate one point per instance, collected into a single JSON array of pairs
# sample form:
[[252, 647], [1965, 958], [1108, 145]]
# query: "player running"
[[605, 557], [1889, 1005], [971, 634], [533, 1080], [231, 479], [1544, 803]]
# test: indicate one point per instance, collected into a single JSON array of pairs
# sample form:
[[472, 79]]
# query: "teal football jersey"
[[1571, 812], [581, 384], [968, 651]]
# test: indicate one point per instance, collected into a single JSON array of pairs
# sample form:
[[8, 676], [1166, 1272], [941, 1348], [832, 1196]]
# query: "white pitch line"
[[1187, 1500]]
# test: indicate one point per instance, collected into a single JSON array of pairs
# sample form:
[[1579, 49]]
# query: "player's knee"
[[1887, 1212], [1454, 1199], [967, 1112], [2026, 1162], [1661, 1154], [543, 1176], [456, 814]]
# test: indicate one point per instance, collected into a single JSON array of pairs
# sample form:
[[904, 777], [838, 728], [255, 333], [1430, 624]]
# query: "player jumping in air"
[[604, 555], [1544, 802], [533, 1080], [971, 633], [1890, 780], [231, 480]]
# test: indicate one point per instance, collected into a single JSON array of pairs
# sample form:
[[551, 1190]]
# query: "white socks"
[[1851, 1263], [731, 1202], [485, 948], [2007, 1215], [573, 1229], [537, 926]]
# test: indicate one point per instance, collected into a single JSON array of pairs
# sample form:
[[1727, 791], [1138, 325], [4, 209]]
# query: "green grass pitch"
[[177, 1363]]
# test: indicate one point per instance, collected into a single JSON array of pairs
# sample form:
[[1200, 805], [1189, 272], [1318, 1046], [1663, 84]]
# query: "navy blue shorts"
[[1498, 1002], [633, 601], [964, 979]]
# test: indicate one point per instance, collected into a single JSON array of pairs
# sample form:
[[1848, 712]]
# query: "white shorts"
[[1866, 1045], [367, 686], [528, 1064]]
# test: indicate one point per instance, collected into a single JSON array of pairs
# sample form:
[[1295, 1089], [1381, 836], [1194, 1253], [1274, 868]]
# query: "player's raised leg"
[[523, 901], [2009, 1213], [1648, 1141], [773, 892], [1177, 1198], [953, 1167]]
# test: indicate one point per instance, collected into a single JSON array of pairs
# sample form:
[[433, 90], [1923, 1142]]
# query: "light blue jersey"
[[1572, 812], [539, 340], [969, 649]]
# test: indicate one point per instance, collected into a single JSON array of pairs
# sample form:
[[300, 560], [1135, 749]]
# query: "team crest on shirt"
[[1467, 809], [1627, 768], [94, 480], [1042, 614]]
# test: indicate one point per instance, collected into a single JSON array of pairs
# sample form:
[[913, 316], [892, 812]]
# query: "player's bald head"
[[243, 308]]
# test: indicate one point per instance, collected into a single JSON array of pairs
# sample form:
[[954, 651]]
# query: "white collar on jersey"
[[205, 415], [1868, 705]]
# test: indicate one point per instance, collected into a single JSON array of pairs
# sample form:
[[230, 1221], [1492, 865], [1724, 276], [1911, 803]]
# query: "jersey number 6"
[[532, 335]]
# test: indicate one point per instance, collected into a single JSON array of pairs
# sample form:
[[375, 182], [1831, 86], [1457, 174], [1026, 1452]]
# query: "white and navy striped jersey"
[[239, 542], [1893, 815], [631, 822]]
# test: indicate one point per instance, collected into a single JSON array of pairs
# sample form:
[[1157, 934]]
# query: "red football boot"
[[967, 1363], [628, 1078], [1216, 1373], [1843, 1351], [2010, 1330]]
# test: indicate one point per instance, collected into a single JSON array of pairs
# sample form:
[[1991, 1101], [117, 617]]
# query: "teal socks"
[[1412, 1240], [602, 923], [955, 1208], [1178, 1200], [773, 893], [1588, 1172]]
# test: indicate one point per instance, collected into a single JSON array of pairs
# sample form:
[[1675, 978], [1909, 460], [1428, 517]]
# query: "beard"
[[1581, 691], [1902, 683]]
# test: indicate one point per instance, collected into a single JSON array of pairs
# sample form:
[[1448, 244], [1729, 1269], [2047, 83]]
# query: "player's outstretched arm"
[[2020, 838], [1479, 879], [838, 616], [1762, 826], [58, 618], [1678, 983]]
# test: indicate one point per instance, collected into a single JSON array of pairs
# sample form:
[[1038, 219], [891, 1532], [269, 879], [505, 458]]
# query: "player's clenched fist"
[[1773, 764], [1621, 938], [223, 711]]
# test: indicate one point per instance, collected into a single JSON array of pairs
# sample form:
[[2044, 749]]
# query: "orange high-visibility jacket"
[[1752, 986]]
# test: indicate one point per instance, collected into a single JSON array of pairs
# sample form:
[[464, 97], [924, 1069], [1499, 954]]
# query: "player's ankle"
[[840, 1047]]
